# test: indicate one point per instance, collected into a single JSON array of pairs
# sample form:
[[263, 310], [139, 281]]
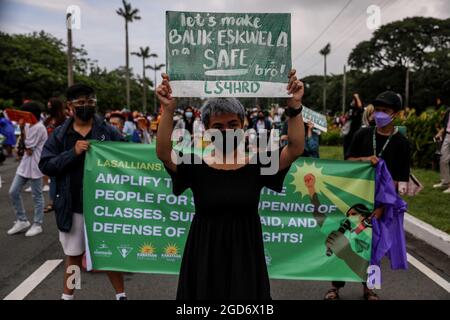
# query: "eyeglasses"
[[92, 102]]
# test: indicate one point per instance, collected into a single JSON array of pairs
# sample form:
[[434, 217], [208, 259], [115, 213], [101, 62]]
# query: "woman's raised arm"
[[165, 128]]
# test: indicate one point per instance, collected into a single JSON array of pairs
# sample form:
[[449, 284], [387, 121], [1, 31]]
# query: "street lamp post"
[[69, 50]]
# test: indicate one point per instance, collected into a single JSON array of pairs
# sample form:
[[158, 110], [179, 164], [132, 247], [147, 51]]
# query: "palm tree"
[[129, 14], [325, 51], [155, 68], [144, 53]]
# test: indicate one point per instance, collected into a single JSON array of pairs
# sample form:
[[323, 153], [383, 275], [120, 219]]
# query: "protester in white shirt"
[[34, 137]]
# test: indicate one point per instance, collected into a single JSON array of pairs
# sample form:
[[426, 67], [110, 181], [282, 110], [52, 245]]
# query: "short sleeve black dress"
[[224, 253]]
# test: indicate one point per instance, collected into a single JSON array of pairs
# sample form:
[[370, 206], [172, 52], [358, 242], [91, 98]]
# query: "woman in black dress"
[[224, 253]]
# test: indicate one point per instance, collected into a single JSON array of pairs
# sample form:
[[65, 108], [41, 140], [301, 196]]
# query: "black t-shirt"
[[396, 153], [77, 170]]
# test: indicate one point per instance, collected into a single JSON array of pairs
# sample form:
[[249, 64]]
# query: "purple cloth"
[[388, 237]]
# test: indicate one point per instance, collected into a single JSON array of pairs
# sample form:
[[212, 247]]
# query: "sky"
[[314, 23]]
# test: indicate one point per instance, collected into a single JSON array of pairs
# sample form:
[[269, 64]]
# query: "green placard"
[[134, 223], [228, 54], [319, 120]]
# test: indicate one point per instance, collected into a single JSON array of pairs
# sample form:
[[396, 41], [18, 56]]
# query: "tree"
[[34, 66], [144, 53], [420, 45], [410, 42], [324, 52], [129, 14]]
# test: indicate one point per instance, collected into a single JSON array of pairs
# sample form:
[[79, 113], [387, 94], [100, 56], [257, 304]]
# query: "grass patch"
[[430, 205]]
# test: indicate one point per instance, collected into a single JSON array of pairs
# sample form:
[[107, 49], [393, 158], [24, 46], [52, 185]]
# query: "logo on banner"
[[147, 252], [171, 252], [103, 250], [124, 250]]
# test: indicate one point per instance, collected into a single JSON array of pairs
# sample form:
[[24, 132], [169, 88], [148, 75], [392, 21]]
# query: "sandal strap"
[[369, 294], [332, 290]]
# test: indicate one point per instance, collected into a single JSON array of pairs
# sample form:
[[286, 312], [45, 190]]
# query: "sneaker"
[[34, 230], [19, 226], [447, 191], [440, 185], [28, 189], [46, 188]]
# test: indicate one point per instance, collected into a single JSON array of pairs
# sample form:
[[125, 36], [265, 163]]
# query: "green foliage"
[[420, 43], [110, 87], [430, 205], [6, 104], [31, 66], [411, 42], [34, 66], [331, 138], [420, 131], [379, 64]]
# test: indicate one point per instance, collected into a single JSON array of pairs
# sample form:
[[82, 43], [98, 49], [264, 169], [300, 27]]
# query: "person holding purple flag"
[[385, 147]]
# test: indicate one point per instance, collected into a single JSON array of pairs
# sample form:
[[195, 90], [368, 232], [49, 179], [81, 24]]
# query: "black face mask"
[[84, 113], [223, 146]]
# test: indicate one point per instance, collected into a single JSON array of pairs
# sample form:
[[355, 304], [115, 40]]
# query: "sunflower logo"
[[171, 250], [147, 248]]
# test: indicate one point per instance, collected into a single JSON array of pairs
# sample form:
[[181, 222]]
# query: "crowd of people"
[[53, 149]]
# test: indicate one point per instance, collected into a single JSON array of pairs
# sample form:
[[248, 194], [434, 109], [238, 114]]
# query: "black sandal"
[[332, 294], [49, 208]]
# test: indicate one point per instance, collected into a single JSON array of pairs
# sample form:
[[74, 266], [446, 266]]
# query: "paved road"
[[21, 256]]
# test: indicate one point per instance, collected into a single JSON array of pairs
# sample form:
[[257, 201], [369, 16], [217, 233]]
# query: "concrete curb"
[[425, 232]]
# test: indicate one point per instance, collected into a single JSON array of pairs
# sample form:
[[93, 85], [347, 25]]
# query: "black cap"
[[77, 90], [389, 99]]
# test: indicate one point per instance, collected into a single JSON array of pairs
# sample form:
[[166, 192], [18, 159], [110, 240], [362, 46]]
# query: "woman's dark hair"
[[56, 111], [32, 107], [184, 114], [79, 90]]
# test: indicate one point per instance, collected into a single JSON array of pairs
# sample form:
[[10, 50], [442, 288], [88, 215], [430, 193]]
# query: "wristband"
[[292, 112]]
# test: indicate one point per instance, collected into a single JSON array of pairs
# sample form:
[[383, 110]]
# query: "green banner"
[[228, 54], [134, 223]]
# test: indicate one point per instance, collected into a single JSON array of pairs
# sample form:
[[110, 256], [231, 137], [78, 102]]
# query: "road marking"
[[30, 283], [47, 267], [428, 272]]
